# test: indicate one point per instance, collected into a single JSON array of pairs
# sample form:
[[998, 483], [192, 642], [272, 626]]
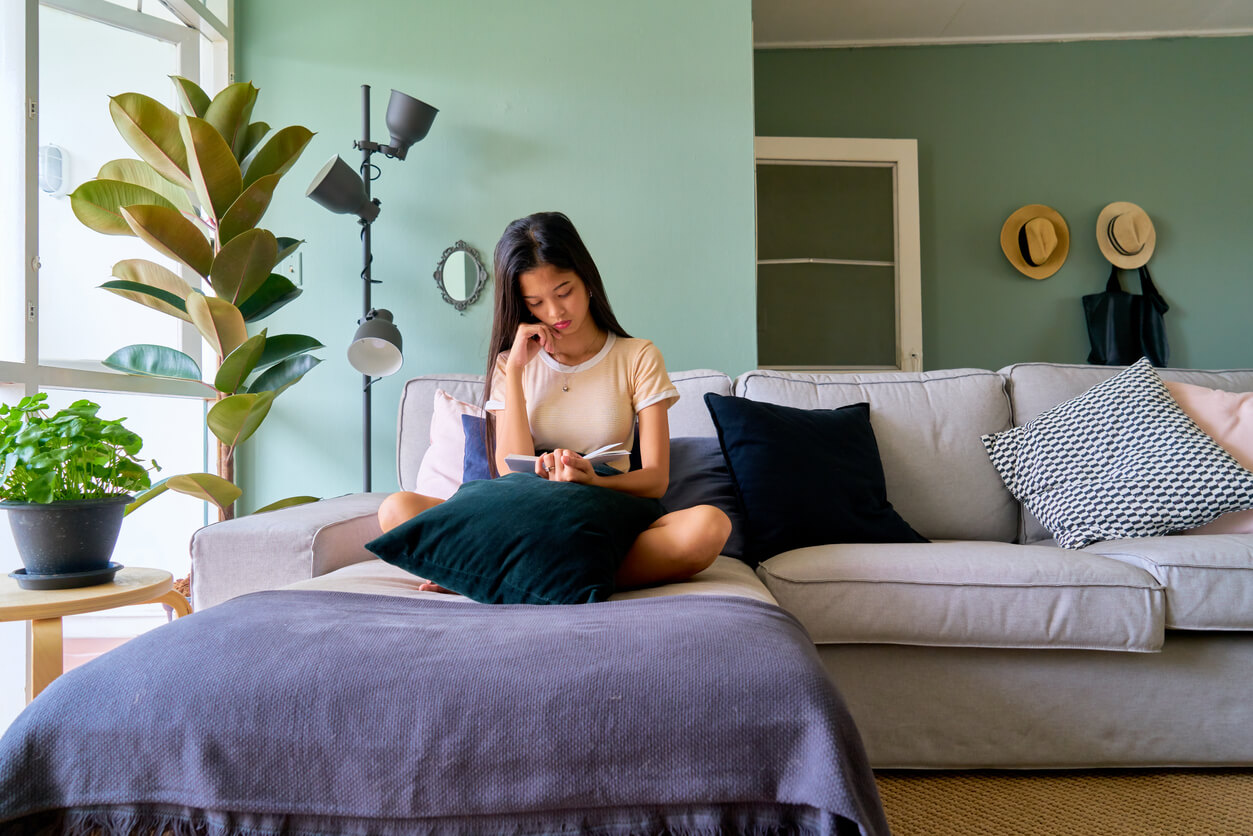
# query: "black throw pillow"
[[806, 477], [520, 539], [699, 476]]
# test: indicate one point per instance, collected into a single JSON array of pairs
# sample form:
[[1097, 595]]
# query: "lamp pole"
[[367, 280], [376, 349]]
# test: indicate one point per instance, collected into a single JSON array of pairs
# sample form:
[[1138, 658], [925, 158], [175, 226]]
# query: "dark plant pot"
[[57, 538]]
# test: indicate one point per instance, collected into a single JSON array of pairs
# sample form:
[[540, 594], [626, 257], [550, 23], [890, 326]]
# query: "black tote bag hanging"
[[1124, 327]]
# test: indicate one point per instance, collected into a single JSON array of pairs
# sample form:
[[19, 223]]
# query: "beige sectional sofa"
[[987, 648]]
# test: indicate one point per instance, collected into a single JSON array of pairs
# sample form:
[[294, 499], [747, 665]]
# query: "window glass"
[[149, 7], [12, 200], [816, 315], [77, 320], [825, 211]]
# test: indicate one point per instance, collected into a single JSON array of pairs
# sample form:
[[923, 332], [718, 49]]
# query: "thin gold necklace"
[[565, 386]]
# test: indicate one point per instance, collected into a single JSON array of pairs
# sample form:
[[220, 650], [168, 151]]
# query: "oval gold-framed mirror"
[[460, 275]]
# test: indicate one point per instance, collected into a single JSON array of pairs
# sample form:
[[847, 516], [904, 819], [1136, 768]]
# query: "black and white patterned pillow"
[[1120, 460]]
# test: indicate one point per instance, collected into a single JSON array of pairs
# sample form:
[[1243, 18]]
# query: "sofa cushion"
[[805, 477], [699, 476], [443, 466], [1208, 577], [1036, 387], [968, 594], [927, 426], [1226, 417], [1120, 460], [687, 417]]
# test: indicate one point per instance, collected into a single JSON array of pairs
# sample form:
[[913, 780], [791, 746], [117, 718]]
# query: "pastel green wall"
[[633, 118], [1165, 124]]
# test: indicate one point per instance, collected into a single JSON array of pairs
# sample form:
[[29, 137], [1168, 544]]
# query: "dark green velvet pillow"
[[520, 539]]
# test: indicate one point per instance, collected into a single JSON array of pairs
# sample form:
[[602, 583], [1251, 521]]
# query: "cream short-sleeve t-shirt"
[[592, 404]]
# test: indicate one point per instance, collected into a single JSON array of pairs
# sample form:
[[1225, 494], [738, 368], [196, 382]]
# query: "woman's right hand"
[[529, 339]]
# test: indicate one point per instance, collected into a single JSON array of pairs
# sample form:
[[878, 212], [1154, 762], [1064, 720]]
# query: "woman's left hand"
[[569, 466]]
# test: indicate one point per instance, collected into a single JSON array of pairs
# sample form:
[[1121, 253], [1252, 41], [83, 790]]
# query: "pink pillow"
[[1227, 417], [440, 473]]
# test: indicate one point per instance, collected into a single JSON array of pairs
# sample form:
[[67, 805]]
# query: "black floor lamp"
[[376, 348]]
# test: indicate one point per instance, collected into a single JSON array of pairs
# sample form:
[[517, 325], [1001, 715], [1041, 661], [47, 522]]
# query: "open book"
[[526, 464]]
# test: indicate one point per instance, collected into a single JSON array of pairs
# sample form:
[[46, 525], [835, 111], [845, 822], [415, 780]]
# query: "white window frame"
[[21, 54], [901, 155], [31, 373]]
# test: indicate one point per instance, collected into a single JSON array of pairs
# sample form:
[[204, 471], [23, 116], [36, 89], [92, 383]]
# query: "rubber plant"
[[197, 194]]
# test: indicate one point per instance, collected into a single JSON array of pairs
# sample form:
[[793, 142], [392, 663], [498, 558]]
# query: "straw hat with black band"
[[1125, 235], [1036, 240]]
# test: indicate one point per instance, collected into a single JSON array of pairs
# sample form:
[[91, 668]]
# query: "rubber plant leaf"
[[152, 297], [281, 375], [154, 361], [205, 486], [193, 99], [278, 154], [243, 264], [140, 173], [147, 496], [281, 346], [159, 288], [151, 129], [287, 246], [218, 321], [287, 503], [230, 111], [251, 138], [239, 364], [275, 292], [170, 233], [211, 164], [245, 213], [99, 203], [236, 417]]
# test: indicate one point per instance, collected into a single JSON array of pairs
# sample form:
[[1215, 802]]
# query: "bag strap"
[[1113, 285], [1150, 290]]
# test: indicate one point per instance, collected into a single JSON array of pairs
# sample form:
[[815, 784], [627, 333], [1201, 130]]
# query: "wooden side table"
[[44, 609]]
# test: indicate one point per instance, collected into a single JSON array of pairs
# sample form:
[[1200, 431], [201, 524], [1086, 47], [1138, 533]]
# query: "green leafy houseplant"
[[66, 481], [72, 455], [197, 194]]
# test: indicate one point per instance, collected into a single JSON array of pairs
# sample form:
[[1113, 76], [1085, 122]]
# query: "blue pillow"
[[699, 476], [520, 539], [474, 460], [806, 477]]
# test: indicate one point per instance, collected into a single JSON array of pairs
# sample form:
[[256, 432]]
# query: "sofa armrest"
[[266, 551]]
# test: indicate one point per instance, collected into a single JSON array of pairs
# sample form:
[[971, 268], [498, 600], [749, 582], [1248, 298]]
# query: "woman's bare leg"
[[674, 548], [404, 506]]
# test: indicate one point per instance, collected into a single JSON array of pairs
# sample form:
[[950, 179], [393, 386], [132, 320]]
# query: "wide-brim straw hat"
[[1036, 240], [1125, 234]]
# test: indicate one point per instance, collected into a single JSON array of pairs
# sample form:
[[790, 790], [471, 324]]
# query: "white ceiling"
[[817, 23]]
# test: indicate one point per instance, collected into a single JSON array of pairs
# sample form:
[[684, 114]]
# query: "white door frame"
[[901, 155]]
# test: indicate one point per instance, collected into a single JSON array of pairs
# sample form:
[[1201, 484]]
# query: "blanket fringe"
[[131, 821], [128, 822]]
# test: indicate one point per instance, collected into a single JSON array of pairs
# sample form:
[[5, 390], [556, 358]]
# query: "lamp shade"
[[338, 188], [408, 121], [376, 348]]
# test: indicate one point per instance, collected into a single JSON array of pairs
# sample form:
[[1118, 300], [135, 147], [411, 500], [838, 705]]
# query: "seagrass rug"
[[1183, 802]]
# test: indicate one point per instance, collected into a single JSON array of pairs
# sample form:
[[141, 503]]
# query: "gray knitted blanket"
[[319, 712]]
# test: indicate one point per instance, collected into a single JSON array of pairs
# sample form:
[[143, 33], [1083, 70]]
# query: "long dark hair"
[[530, 242]]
